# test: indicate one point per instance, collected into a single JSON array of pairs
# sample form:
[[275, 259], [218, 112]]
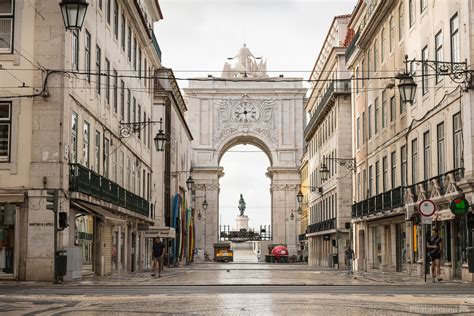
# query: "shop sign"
[[426, 208], [459, 206]]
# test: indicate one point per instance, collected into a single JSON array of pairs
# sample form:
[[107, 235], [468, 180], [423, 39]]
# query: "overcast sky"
[[197, 36]]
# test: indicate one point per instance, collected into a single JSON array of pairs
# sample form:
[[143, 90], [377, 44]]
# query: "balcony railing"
[[89, 182], [352, 46], [156, 45], [435, 186], [379, 203], [334, 88], [322, 226]]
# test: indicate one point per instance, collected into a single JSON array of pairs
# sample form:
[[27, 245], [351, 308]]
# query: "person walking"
[[158, 250], [434, 248], [349, 255]]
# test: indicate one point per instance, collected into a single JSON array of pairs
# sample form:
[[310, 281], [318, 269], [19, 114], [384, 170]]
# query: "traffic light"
[[63, 220], [52, 200]]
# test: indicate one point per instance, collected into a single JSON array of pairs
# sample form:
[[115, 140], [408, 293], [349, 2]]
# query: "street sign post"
[[426, 209]]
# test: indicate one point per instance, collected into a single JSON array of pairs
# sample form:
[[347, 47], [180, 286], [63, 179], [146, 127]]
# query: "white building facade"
[[409, 153], [329, 108], [67, 136]]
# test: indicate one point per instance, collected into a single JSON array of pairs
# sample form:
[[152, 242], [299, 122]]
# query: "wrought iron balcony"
[[379, 203], [84, 180], [336, 87], [322, 226], [437, 186], [352, 46]]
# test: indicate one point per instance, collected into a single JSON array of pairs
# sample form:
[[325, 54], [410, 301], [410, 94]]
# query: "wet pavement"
[[240, 289]]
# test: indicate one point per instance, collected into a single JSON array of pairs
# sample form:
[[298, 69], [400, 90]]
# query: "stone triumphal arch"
[[248, 107]]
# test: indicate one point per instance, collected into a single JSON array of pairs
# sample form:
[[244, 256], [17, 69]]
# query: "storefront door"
[[85, 240], [401, 247], [377, 247], [7, 238]]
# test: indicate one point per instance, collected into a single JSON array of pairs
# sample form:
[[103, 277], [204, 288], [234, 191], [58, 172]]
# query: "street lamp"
[[199, 215], [324, 172], [459, 72], [292, 216], [73, 12], [299, 210], [190, 184], [205, 204], [299, 197]]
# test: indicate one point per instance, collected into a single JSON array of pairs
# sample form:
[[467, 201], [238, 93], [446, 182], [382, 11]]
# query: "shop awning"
[[11, 198], [100, 211], [162, 232]]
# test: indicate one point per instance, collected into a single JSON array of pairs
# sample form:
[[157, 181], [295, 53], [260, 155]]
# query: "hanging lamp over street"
[[74, 13]]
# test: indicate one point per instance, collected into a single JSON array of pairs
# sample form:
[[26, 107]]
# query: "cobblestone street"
[[241, 289]]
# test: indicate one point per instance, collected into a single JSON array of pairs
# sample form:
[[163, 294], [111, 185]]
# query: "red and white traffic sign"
[[426, 208]]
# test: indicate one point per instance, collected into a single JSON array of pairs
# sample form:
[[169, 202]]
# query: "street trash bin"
[[61, 263], [470, 259]]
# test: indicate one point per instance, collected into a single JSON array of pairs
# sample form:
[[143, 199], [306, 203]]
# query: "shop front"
[[167, 235], [7, 240]]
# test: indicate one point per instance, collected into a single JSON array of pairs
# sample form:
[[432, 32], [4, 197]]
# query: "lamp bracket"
[[129, 128], [458, 72], [348, 163]]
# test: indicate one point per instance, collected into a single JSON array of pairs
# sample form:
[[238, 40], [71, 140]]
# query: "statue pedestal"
[[242, 222]]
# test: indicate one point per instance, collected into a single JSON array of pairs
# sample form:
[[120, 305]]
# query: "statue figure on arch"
[[242, 205]]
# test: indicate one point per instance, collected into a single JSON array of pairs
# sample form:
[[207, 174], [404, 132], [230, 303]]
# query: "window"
[[454, 31], [129, 165], [439, 51], [391, 34], [424, 70], [362, 69], [74, 122], [107, 81], [116, 20], [114, 166], [382, 45], [134, 54], [75, 50], [129, 97], [411, 12], [109, 4], [440, 147], [363, 128], [358, 132], [97, 151], [369, 60], [370, 121], [145, 69], [384, 174], [123, 31], [140, 63], [384, 108], [115, 91], [145, 129], [364, 184], [414, 161], [393, 109], [357, 80], [5, 131], [377, 177], [403, 106], [134, 114], [139, 120], [87, 50], [85, 144], [121, 174], [370, 181], [98, 67], [393, 175], [139, 193], [403, 169], [376, 51], [105, 162], [457, 141], [359, 197], [423, 5], [129, 44], [122, 100], [6, 26], [100, 4], [401, 21], [426, 156], [376, 116]]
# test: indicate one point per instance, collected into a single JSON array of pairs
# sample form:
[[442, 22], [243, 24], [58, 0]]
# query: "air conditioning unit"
[[410, 211]]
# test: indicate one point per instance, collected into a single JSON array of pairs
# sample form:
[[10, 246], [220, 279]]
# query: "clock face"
[[246, 112]]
